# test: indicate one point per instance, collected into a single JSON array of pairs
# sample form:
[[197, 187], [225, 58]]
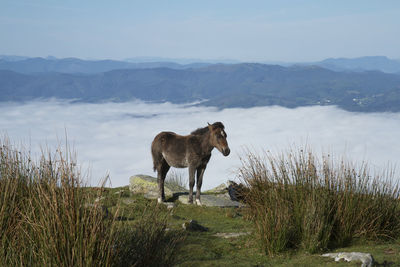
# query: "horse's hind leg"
[[162, 170], [199, 182]]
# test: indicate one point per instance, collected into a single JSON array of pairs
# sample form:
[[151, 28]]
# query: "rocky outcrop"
[[219, 196], [147, 185]]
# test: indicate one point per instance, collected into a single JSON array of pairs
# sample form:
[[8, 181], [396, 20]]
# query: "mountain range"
[[75, 65], [378, 63], [220, 85]]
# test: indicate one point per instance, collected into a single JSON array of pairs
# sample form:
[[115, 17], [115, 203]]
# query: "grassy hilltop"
[[297, 208]]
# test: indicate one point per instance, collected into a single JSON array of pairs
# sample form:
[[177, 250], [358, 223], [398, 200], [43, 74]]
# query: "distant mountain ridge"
[[221, 85], [377, 63], [74, 65]]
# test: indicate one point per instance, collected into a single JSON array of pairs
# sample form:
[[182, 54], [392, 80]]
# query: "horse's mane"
[[201, 131]]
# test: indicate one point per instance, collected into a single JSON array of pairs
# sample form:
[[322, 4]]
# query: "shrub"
[[296, 201]]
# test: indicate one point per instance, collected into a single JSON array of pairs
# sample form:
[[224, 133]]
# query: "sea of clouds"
[[115, 138]]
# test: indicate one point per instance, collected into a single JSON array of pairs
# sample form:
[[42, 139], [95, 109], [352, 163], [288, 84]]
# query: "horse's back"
[[163, 138], [171, 147], [162, 141]]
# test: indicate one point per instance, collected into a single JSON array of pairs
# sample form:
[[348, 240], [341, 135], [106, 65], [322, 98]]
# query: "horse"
[[191, 151]]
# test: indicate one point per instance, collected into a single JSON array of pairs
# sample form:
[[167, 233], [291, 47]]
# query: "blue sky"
[[241, 30]]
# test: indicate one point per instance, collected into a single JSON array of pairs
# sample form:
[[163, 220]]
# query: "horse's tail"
[[155, 154]]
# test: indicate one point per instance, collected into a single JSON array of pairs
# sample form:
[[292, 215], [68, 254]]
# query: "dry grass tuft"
[[297, 201]]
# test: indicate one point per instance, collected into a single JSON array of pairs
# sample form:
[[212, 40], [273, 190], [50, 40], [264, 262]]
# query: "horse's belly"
[[176, 162]]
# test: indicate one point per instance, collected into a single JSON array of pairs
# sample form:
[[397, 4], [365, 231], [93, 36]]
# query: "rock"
[[128, 201], [147, 185], [221, 189], [98, 199], [231, 235], [193, 225], [221, 200], [389, 251], [366, 259], [169, 205], [236, 191]]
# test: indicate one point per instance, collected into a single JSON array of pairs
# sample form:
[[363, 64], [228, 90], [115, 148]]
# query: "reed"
[[49, 218], [298, 201]]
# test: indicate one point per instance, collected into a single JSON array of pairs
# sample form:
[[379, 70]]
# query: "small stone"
[[128, 201], [98, 199], [219, 200], [193, 225], [389, 251], [366, 259], [231, 235], [169, 205]]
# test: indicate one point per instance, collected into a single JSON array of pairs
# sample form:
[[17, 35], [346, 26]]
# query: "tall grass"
[[177, 178], [298, 201], [48, 217], [147, 242]]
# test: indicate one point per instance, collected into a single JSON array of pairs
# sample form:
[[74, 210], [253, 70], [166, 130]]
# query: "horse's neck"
[[206, 144]]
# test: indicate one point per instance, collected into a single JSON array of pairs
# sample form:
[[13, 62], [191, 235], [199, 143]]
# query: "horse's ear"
[[208, 124]]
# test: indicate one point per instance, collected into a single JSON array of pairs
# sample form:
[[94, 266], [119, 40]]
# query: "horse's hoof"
[[198, 202], [190, 201], [159, 200]]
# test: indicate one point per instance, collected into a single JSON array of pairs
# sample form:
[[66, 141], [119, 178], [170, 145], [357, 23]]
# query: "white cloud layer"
[[115, 138]]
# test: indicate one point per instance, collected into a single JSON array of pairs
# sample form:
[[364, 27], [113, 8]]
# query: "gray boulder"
[[147, 185], [221, 189]]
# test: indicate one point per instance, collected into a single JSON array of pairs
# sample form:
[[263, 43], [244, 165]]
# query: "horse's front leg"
[[199, 182], [192, 170]]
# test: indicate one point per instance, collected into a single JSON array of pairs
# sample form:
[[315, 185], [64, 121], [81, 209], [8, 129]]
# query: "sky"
[[256, 31], [114, 138]]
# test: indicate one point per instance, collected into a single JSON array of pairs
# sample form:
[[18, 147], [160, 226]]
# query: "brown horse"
[[193, 151]]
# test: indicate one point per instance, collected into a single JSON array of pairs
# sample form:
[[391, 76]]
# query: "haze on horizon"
[[294, 31]]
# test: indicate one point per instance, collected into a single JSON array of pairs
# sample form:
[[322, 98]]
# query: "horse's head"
[[218, 138]]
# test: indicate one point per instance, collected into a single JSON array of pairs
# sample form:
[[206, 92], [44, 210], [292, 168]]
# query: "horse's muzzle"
[[226, 151]]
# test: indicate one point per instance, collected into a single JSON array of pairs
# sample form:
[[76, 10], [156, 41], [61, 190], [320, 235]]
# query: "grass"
[[206, 249], [49, 217], [298, 202], [176, 178]]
